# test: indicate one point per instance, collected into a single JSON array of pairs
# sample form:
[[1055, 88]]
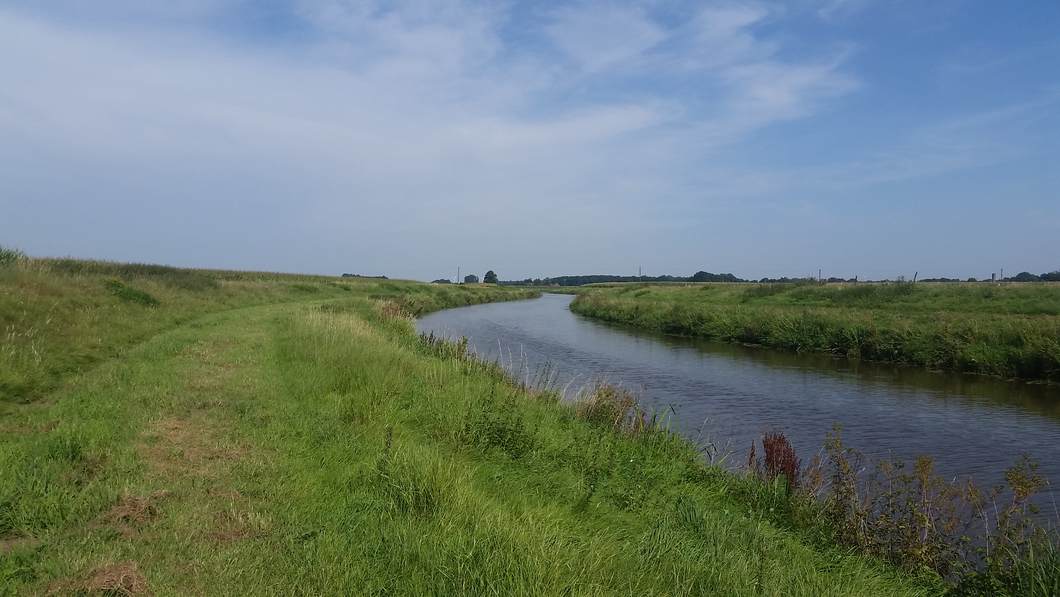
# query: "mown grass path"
[[290, 449], [159, 445]]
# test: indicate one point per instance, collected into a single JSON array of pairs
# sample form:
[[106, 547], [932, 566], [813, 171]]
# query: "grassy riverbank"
[[175, 432], [60, 317], [1010, 331]]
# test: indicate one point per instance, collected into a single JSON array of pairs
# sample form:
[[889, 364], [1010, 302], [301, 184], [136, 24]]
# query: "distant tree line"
[[360, 276], [1053, 276], [489, 278], [702, 276], [598, 278]]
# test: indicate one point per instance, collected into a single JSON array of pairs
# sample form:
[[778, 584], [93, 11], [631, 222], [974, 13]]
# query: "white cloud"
[[835, 9], [599, 35], [771, 91], [393, 124], [723, 35]]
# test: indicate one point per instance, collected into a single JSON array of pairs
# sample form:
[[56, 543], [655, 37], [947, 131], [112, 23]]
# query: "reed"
[[1009, 331]]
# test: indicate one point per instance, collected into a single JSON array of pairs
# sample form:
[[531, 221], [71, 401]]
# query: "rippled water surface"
[[729, 394]]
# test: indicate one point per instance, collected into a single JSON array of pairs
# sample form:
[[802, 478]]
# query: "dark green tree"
[[490, 277]]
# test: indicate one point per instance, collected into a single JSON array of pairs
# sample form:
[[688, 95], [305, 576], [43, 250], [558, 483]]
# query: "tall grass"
[[980, 541], [9, 256], [313, 443], [275, 440], [61, 317], [1011, 331]]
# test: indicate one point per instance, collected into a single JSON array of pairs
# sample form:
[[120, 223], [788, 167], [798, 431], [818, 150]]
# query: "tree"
[[471, 279], [1023, 277], [490, 277], [702, 276], [442, 281]]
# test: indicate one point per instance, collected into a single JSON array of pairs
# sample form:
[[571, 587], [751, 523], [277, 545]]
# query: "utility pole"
[[458, 274]]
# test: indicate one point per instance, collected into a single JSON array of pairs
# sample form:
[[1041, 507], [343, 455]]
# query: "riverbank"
[[1011, 331], [256, 433], [61, 317], [219, 433]]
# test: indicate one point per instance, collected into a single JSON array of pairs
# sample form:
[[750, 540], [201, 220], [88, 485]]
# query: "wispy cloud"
[[368, 129], [833, 9], [599, 35]]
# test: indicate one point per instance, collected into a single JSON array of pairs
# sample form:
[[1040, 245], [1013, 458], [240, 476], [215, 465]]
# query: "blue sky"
[[863, 137]]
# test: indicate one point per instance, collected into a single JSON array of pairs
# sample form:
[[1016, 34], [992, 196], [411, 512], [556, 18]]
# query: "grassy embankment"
[[1009, 331], [189, 432]]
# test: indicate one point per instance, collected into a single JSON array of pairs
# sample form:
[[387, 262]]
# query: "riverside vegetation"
[[180, 431], [1010, 330]]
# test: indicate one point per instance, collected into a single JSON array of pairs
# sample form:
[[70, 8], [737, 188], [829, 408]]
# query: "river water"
[[725, 395]]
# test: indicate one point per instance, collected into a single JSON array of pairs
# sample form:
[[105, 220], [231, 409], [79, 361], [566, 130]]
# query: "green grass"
[[60, 317], [1009, 331], [253, 437], [10, 257]]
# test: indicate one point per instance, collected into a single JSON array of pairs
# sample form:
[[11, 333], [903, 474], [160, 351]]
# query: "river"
[[724, 395]]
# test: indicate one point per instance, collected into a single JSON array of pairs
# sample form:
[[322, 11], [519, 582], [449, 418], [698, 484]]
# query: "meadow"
[[173, 431], [1010, 330]]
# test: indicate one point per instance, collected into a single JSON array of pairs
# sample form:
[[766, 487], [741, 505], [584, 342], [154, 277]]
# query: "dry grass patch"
[[13, 544], [122, 578], [235, 525], [133, 512], [184, 446]]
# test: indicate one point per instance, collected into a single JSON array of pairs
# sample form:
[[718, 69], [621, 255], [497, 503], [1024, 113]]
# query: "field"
[[1010, 330], [174, 431], [171, 431]]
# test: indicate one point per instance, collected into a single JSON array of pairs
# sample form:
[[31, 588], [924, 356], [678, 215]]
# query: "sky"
[[875, 138]]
